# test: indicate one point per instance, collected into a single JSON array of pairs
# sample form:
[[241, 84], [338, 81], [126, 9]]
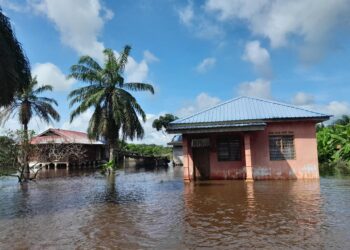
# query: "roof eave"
[[196, 130]]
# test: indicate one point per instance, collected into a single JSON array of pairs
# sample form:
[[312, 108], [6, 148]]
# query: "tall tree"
[[163, 121], [27, 103], [14, 66], [116, 112]]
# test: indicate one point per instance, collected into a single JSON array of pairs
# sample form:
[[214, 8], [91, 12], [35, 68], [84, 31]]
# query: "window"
[[281, 147], [229, 149]]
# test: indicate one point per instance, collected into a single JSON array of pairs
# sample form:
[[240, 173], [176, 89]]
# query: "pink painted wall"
[[218, 169], [305, 166]]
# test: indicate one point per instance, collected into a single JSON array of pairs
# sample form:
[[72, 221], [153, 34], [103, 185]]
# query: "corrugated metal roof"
[[63, 136], [249, 109]]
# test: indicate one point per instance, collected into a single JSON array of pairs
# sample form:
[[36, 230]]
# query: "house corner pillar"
[[187, 166], [248, 158]]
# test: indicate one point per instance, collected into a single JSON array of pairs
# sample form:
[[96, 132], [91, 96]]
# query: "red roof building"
[[57, 147]]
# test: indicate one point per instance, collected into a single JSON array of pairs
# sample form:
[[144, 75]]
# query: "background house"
[[176, 143], [65, 148], [250, 138]]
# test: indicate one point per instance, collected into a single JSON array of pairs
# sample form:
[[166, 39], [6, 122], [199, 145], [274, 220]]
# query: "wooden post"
[[248, 158]]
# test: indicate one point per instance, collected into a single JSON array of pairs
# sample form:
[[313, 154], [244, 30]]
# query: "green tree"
[[27, 103], [116, 111], [163, 121], [333, 144], [14, 66]]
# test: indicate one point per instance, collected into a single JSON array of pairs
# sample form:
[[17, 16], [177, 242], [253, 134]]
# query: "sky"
[[195, 53]]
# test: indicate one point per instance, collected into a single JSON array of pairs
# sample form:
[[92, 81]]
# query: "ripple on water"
[[156, 210]]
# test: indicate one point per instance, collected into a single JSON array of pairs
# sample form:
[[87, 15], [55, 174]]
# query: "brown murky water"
[[140, 210]]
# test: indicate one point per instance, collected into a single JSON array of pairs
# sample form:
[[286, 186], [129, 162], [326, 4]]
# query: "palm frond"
[[42, 89], [137, 86], [123, 58], [14, 65], [90, 62]]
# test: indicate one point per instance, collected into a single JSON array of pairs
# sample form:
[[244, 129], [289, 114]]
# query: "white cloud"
[[312, 21], [136, 72], [206, 64], [199, 24], [337, 108], [152, 136], [150, 57], [186, 14], [302, 98], [202, 102], [80, 24], [48, 73], [259, 57], [35, 124], [80, 123], [258, 88]]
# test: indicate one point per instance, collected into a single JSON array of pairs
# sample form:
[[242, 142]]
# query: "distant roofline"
[[60, 132], [319, 115], [58, 129]]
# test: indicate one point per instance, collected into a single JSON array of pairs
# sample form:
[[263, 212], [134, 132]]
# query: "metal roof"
[[249, 109], [176, 141], [63, 136]]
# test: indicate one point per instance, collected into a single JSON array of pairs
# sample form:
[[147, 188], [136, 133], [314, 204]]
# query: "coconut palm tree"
[[14, 66], [27, 103], [115, 111]]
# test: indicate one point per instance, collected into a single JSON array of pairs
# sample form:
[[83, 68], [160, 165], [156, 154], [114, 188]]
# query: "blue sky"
[[196, 53]]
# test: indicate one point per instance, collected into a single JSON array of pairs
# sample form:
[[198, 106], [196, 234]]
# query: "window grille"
[[200, 143], [229, 149], [281, 147]]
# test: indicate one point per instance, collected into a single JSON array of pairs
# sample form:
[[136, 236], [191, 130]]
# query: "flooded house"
[[176, 144], [66, 148], [250, 138]]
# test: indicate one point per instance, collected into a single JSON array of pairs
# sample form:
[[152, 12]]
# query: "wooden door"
[[201, 161]]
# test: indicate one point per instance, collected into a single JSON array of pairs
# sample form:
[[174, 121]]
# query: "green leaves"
[[28, 103], [14, 65], [116, 112], [334, 145], [163, 121]]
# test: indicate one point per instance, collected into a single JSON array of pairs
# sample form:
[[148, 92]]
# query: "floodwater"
[[156, 210]]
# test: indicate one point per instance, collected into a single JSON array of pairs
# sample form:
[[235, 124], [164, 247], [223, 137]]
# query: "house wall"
[[305, 166], [219, 170], [177, 155]]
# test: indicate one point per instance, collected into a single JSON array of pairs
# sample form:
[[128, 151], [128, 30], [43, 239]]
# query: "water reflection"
[[254, 214], [154, 209]]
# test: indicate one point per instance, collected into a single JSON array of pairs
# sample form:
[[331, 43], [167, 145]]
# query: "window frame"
[[232, 155], [287, 147]]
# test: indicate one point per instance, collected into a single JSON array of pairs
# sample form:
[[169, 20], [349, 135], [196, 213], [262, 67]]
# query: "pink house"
[[250, 138]]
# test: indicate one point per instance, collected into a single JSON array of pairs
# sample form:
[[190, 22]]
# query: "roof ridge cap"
[[207, 109], [286, 105]]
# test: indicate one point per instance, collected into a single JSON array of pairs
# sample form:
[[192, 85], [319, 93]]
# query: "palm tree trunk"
[[25, 152]]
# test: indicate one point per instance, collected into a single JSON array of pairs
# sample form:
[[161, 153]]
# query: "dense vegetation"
[[148, 149], [8, 155], [334, 148]]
